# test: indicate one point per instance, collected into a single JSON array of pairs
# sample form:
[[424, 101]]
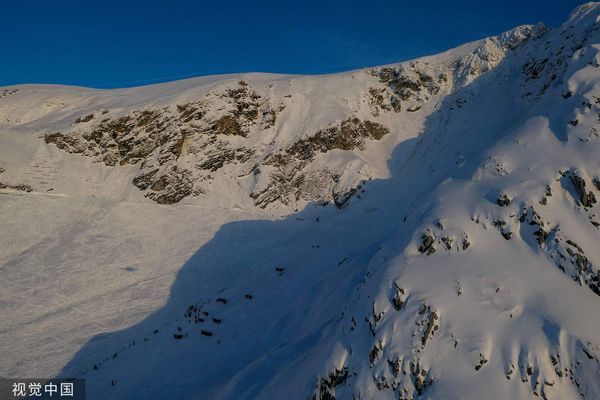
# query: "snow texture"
[[422, 230]]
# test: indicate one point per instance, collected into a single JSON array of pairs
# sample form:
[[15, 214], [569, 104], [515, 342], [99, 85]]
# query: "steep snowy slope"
[[421, 230]]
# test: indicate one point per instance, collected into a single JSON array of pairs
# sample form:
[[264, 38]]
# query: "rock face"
[[587, 199], [289, 179], [172, 146], [178, 149], [181, 149], [348, 135]]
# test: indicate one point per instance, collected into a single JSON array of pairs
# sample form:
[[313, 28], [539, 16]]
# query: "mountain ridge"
[[458, 260]]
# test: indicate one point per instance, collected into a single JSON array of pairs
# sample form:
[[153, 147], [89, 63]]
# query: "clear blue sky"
[[129, 43]]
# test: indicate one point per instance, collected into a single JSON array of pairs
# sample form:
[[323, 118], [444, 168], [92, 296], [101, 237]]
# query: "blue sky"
[[129, 43]]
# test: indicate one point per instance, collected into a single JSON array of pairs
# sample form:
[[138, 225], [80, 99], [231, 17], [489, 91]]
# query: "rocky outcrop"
[[289, 178], [173, 146], [350, 134], [19, 187], [180, 148], [587, 199]]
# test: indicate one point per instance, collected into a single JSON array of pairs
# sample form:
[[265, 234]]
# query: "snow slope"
[[425, 230]]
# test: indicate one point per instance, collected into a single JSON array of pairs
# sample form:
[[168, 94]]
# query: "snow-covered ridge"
[[438, 240], [231, 128]]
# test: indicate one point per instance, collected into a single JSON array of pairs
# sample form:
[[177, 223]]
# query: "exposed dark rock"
[[380, 98], [447, 241], [69, 143], [587, 199], [503, 200], [395, 366], [87, 118], [20, 187], [341, 199], [144, 181], [431, 327], [398, 299], [325, 386], [227, 125], [420, 377], [158, 138], [465, 244], [381, 383], [506, 235], [567, 94], [374, 353], [482, 362], [541, 235], [426, 246], [289, 181], [581, 262], [172, 187], [348, 135], [572, 243]]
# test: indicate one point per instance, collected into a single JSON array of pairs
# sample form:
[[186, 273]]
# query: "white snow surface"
[[304, 300]]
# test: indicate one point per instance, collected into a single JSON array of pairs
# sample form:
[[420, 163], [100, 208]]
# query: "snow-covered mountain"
[[427, 229]]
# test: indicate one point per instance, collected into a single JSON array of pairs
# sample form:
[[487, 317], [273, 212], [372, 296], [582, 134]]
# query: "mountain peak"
[[588, 11]]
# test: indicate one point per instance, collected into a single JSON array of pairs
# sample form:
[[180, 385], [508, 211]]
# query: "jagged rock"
[[157, 138], [65, 142], [87, 118], [541, 235], [420, 376], [288, 181], [381, 383], [482, 362], [431, 327], [398, 299], [144, 181], [227, 125], [20, 187], [503, 200], [426, 246], [324, 389], [447, 241], [395, 366], [350, 134], [465, 244], [341, 199], [171, 188], [381, 99], [374, 353], [587, 199]]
